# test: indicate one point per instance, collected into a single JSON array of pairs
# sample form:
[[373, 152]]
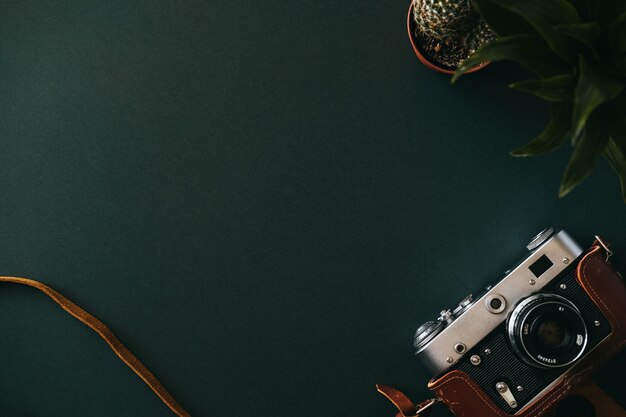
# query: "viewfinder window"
[[540, 266]]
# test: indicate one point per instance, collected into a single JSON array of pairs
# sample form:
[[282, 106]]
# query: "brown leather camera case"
[[608, 290]]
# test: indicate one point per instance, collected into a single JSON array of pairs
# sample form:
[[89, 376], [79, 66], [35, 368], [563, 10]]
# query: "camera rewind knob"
[[540, 239], [426, 332]]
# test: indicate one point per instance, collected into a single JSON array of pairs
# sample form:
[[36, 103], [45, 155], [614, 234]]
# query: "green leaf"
[[553, 136], [591, 144], [528, 50], [585, 33], [594, 88], [586, 8], [616, 33], [557, 88], [501, 21], [544, 15], [616, 156], [610, 10]]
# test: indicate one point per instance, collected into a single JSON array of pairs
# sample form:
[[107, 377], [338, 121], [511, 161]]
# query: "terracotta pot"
[[410, 25]]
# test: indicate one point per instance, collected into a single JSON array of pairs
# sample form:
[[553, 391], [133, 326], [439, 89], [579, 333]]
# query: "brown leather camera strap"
[[604, 406], [120, 350], [405, 406], [602, 403]]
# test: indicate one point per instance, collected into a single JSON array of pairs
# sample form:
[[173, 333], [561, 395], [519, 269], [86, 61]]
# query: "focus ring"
[[547, 331]]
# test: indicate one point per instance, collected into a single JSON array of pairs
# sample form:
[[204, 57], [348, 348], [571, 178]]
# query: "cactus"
[[449, 30], [443, 20], [480, 35]]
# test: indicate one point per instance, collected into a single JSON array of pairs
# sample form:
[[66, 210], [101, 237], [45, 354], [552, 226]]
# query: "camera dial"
[[540, 239], [426, 332], [547, 331]]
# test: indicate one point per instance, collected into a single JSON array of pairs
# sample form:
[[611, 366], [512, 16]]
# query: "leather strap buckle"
[[404, 405], [605, 246], [424, 407]]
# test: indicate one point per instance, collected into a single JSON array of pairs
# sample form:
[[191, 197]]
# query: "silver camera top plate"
[[484, 315]]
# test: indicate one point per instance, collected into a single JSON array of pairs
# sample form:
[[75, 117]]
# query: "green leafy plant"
[[577, 51]]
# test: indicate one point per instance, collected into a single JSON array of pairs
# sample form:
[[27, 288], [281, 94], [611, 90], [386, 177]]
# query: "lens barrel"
[[547, 331]]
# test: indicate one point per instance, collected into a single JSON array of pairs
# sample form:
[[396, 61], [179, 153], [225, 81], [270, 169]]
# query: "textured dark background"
[[262, 198]]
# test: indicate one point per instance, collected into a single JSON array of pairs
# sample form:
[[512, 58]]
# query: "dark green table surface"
[[262, 199]]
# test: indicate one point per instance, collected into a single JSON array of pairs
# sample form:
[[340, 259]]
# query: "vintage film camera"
[[525, 342]]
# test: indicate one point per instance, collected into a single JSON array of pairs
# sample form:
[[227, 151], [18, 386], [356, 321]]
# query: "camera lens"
[[547, 331], [551, 334]]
